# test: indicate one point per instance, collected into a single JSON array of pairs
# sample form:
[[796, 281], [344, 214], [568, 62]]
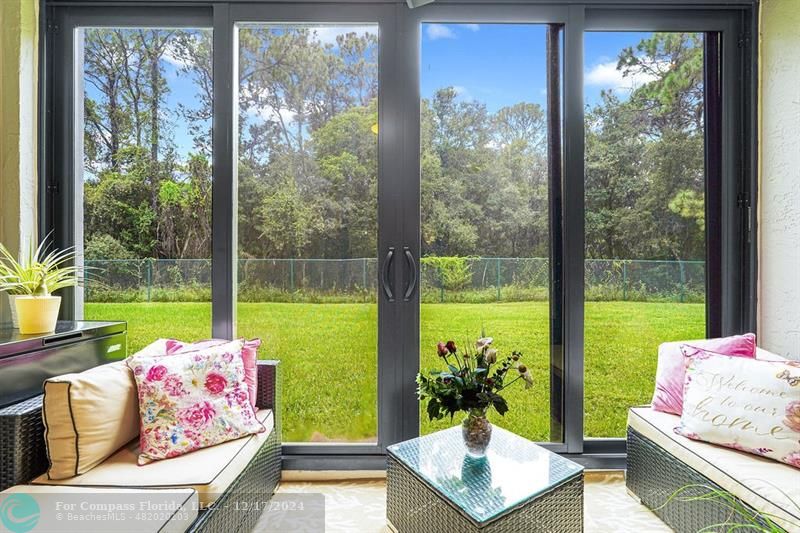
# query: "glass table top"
[[514, 471]]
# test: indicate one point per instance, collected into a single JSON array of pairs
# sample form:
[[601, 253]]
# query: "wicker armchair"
[[22, 458]]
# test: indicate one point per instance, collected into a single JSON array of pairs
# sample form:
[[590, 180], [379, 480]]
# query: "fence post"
[[85, 282], [149, 277], [497, 266], [441, 284], [625, 281], [683, 281], [291, 277], [364, 272]]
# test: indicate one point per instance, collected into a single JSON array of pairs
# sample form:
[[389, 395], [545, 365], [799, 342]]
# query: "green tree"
[[645, 156]]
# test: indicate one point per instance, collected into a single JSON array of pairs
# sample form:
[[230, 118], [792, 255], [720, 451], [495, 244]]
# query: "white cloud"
[[462, 93], [171, 57], [266, 113], [472, 27], [439, 31], [607, 76], [328, 34]]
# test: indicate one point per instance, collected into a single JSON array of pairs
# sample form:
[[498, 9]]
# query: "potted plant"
[[31, 281], [472, 383]]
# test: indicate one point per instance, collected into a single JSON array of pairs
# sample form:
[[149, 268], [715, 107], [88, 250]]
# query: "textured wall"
[[18, 92], [779, 189]]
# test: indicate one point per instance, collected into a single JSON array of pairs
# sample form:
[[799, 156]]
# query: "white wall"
[[18, 91], [779, 177]]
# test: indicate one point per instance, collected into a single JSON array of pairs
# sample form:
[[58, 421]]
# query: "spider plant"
[[740, 517], [40, 272]]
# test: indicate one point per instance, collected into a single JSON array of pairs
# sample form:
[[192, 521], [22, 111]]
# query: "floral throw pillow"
[[191, 401], [249, 357], [745, 404]]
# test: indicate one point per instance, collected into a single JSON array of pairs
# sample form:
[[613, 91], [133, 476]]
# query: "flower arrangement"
[[473, 382]]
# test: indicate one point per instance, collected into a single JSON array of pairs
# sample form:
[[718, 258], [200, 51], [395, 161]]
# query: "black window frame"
[[731, 227]]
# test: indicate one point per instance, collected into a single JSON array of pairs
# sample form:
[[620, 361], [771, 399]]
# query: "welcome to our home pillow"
[[745, 404]]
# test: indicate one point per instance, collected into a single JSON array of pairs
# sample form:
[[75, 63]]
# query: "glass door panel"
[[645, 213], [144, 189], [307, 232], [485, 264]]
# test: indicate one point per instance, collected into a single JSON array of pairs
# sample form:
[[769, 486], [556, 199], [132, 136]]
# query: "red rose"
[[442, 349], [198, 415], [451, 346], [156, 373], [215, 382]]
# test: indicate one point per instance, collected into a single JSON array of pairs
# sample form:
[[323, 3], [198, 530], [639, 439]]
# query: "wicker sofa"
[[226, 486], [659, 463]]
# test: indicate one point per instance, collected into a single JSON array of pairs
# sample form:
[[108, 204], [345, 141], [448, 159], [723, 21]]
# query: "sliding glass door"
[[485, 235], [308, 219], [353, 183], [645, 212], [141, 179], [312, 212], [662, 196]]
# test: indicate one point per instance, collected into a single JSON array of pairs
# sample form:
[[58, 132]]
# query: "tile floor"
[[359, 506]]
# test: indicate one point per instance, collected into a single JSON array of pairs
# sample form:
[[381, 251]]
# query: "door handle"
[[412, 272], [387, 284]]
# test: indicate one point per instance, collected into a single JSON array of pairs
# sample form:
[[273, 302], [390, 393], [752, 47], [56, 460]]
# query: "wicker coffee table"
[[434, 487]]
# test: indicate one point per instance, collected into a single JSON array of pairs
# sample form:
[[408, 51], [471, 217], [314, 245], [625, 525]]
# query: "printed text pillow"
[[191, 401], [745, 404], [671, 370]]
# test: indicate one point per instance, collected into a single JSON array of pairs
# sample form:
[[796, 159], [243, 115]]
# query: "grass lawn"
[[329, 355]]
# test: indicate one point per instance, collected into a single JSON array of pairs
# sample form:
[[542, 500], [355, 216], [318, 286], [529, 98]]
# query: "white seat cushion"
[[766, 485], [86, 509], [209, 471]]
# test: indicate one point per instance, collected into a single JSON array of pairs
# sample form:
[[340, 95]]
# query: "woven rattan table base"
[[413, 507]]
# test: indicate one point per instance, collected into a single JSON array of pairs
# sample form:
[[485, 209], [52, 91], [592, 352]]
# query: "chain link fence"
[[443, 279]]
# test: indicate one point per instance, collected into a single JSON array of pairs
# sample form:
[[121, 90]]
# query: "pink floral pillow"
[[192, 400], [671, 371], [249, 357], [157, 347]]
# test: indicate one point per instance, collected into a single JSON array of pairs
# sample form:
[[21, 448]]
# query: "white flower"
[[483, 343], [526, 376], [490, 356]]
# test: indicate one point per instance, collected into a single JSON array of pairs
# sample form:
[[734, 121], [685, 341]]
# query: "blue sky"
[[501, 64]]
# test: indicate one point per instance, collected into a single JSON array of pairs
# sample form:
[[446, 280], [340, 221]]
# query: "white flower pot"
[[12, 304], [37, 314]]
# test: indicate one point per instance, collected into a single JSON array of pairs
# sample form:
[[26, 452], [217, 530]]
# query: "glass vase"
[[477, 432]]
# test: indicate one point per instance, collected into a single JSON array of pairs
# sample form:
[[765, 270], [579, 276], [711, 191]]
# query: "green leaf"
[[433, 409], [500, 405]]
